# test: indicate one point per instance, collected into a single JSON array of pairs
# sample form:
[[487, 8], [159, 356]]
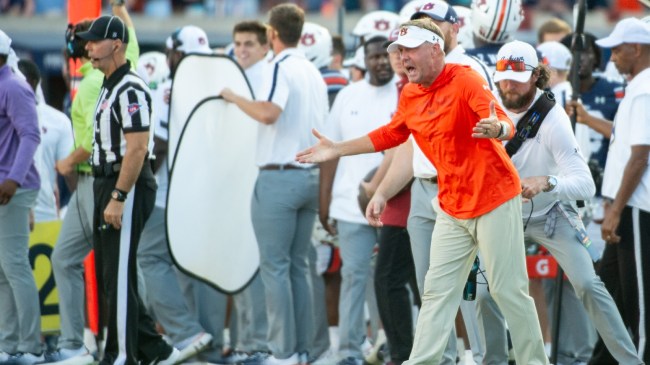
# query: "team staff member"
[[124, 191], [553, 173], [20, 317], [251, 48], [627, 181], [75, 239], [285, 200], [466, 150]]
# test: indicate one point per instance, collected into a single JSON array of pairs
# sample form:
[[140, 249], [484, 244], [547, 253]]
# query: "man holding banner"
[[285, 200]]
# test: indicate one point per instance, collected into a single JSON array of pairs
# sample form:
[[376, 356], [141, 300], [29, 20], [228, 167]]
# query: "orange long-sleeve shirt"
[[475, 175]]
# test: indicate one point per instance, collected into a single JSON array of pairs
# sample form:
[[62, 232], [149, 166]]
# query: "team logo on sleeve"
[[133, 108]]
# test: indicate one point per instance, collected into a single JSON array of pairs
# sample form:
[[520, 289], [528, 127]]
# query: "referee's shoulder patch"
[[133, 108]]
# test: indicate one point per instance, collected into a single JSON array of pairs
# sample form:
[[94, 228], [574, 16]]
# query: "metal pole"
[[557, 312]]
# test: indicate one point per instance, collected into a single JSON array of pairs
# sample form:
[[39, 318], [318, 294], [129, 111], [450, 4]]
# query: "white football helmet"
[[409, 9], [153, 68], [316, 43], [495, 21], [465, 37], [376, 23]]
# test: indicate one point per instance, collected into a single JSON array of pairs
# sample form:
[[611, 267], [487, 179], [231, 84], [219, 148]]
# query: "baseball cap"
[[189, 39], [515, 61], [358, 61], [106, 27], [629, 30], [5, 43], [412, 36], [556, 54], [437, 10]]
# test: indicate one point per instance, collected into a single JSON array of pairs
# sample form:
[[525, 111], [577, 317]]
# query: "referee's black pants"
[[132, 336], [625, 270]]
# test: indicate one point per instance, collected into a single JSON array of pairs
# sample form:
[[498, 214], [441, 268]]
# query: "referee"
[[125, 191]]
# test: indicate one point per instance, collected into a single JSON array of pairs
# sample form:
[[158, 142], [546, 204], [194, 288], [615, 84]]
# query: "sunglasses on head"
[[518, 66]]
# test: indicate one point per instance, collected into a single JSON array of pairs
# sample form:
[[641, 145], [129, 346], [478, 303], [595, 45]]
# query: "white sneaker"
[[193, 345], [373, 356], [172, 359], [291, 360], [4, 356], [80, 356]]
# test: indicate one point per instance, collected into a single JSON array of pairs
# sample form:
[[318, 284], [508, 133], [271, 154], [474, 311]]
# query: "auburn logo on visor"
[[403, 31]]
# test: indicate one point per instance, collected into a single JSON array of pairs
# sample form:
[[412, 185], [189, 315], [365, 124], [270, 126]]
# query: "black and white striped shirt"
[[124, 106]]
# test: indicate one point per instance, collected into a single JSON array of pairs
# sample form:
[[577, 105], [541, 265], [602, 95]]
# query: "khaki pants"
[[454, 244]]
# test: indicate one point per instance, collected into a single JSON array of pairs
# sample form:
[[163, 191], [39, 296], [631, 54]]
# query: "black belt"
[[285, 167], [432, 180], [107, 170]]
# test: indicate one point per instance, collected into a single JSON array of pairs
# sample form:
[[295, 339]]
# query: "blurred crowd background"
[[37, 27]]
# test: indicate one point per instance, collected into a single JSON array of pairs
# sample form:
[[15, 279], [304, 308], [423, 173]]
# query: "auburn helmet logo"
[[307, 39], [382, 24]]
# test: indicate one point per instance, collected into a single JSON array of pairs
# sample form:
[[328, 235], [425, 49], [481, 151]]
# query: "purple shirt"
[[19, 133]]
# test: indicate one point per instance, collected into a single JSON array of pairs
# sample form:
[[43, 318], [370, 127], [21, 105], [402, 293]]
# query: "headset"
[[75, 46]]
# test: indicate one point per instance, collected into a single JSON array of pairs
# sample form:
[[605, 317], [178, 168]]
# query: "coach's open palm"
[[324, 150]]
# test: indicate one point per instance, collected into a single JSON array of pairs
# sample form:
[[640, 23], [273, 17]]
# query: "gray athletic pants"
[[163, 293], [20, 315], [557, 234], [72, 247], [250, 306], [284, 207], [209, 306]]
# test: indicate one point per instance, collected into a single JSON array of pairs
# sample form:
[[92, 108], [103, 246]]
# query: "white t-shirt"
[[160, 102], [631, 128], [359, 108], [553, 151], [255, 76], [297, 87], [56, 142], [422, 167]]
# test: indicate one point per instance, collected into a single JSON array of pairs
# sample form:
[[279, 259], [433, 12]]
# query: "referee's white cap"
[[189, 39]]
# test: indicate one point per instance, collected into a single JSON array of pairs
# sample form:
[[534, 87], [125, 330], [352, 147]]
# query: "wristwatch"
[[551, 183], [119, 195]]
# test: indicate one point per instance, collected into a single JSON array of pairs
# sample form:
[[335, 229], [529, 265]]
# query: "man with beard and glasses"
[[358, 109], [554, 175], [456, 121]]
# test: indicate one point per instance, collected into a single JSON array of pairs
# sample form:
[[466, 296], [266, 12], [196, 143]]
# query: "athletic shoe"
[[256, 358], [230, 357], [80, 356], [24, 359], [350, 361], [193, 345], [291, 360], [376, 354], [172, 359], [303, 358], [4, 356]]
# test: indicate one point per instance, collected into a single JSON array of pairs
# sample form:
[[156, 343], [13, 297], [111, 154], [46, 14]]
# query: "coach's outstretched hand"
[[324, 150]]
